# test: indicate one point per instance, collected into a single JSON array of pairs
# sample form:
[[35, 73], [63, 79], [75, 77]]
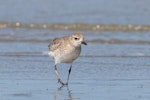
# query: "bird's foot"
[[66, 83], [61, 82]]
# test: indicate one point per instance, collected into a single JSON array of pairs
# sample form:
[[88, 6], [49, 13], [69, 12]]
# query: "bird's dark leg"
[[69, 74], [58, 77]]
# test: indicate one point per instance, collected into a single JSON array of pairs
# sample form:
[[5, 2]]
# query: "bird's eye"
[[76, 38]]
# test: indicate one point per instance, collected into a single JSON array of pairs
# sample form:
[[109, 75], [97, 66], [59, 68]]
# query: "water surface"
[[113, 66]]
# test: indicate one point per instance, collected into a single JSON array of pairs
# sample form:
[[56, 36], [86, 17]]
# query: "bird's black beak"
[[83, 42]]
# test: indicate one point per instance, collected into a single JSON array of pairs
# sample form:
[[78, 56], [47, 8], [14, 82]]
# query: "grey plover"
[[65, 50]]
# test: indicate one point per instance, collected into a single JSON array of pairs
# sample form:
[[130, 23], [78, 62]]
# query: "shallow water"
[[113, 66], [106, 70], [71, 11]]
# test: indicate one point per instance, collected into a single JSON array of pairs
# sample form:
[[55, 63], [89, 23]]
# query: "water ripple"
[[77, 26]]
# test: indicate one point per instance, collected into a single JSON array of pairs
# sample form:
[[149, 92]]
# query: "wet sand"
[[107, 71], [115, 65], [78, 90]]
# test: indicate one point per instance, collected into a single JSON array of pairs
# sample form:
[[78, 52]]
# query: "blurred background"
[[115, 62], [73, 12]]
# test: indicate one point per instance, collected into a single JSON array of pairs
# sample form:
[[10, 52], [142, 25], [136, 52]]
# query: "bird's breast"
[[68, 56]]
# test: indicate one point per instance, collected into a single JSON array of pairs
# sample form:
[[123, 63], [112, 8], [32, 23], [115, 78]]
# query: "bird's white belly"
[[66, 58]]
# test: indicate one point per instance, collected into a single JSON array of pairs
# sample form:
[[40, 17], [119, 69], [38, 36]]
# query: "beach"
[[115, 65]]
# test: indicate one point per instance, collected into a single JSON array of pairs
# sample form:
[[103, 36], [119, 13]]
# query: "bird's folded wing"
[[55, 44]]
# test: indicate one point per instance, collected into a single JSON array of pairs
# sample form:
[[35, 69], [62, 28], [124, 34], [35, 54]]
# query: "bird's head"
[[78, 39]]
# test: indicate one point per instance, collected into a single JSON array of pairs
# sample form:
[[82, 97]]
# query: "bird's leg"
[[58, 77], [69, 74]]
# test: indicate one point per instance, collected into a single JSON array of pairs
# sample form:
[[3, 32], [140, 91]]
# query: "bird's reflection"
[[59, 90]]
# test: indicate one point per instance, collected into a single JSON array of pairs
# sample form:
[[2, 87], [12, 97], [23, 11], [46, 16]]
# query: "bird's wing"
[[55, 44]]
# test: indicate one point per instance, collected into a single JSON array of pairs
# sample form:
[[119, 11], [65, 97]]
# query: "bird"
[[65, 49]]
